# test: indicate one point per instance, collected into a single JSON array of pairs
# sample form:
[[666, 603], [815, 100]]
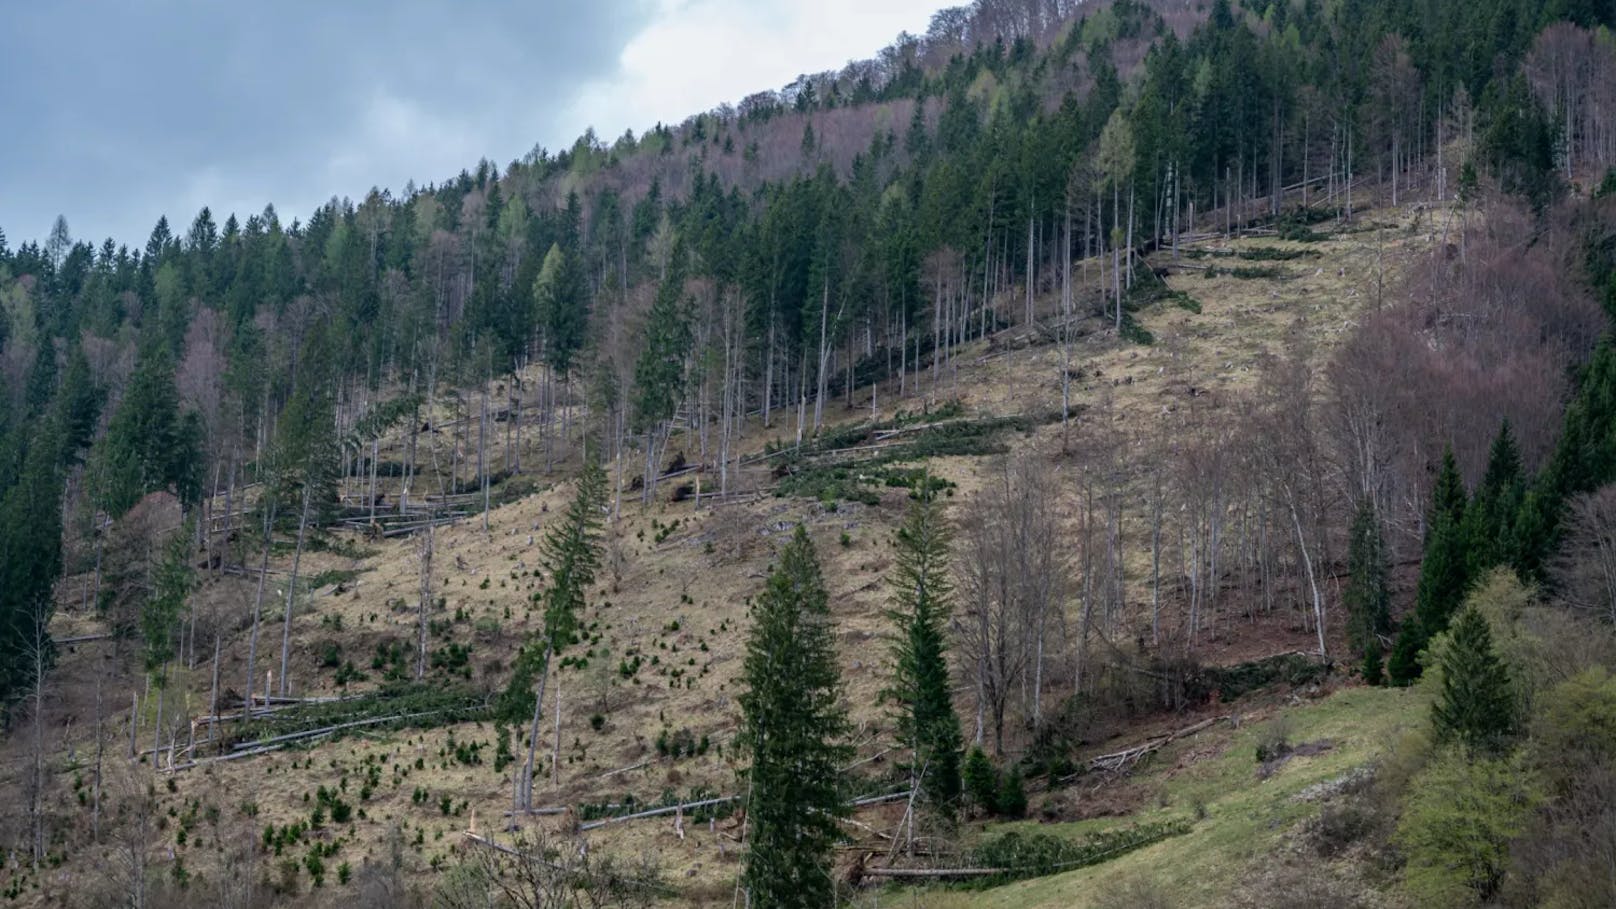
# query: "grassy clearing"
[[1246, 819]]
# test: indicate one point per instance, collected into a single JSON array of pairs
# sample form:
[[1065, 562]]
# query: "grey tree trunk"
[[291, 587], [426, 599], [258, 607]]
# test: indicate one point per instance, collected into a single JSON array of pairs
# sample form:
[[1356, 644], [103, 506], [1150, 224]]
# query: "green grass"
[[1246, 818]]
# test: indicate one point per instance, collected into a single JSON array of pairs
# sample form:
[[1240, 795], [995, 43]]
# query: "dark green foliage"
[[1011, 801], [569, 553], [981, 780], [150, 445], [1404, 666], [1490, 518], [793, 723], [1373, 669], [1366, 597], [30, 552], [1445, 572], [561, 301], [921, 596], [160, 616], [1034, 855], [1477, 705], [1294, 669], [423, 706], [659, 372]]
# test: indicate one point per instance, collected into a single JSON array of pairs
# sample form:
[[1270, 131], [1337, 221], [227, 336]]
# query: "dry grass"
[[700, 577]]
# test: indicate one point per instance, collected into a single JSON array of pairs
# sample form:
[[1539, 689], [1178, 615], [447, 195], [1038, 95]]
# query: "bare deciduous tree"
[[1013, 578]]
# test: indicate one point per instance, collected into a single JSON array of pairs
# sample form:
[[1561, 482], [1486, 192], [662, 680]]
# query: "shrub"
[[1457, 825], [1275, 740], [1023, 855], [1012, 798], [981, 780]]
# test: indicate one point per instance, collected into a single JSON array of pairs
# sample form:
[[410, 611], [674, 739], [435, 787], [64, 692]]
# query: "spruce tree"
[[1367, 600], [793, 723], [1476, 706], [149, 444], [1444, 573], [30, 554], [1012, 798], [1490, 519], [926, 723], [1404, 665], [160, 617], [981, 781], [570, 555]]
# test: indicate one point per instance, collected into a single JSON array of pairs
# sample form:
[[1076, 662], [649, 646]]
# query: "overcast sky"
[[114, 112]]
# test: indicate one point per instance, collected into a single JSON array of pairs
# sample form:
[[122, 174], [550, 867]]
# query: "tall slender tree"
[[921, 596], [1476, 706], [570, 554], [1367, 599], [793, 723]]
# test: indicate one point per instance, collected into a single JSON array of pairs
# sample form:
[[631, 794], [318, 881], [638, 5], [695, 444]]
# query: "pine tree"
[[1367, 600], [570, 555], [1373, 670], [1490, 519], [1404, 665], [1444, 573], [1476, 706], [1012, 798], [926, 723], [561, 302], [792, 726], [160, 617], [150, 445], [30, 555], [981, 781]]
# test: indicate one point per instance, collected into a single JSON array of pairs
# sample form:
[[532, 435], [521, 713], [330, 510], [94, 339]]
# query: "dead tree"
[[426, 600]]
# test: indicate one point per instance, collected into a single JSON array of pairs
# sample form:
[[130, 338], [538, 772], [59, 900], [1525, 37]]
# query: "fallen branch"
[[327, 730], [79, 639], [653, 812], [1118, 761], [933, 872]]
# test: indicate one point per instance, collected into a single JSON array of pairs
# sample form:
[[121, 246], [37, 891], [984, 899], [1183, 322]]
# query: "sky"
[[113, 113]]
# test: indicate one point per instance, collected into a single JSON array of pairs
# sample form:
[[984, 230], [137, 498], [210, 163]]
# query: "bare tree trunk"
[[291, 587], [426, 598], [555, 755], [1307, 562], [258, 606], [100, 748], [523, 798], [40, 646], [482, 452]]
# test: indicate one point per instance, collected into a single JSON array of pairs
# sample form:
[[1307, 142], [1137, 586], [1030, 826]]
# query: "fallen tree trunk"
[[1118, 761], [653, 812]]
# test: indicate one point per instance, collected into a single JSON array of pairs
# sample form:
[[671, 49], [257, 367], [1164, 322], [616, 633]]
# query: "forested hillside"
[[850, 470]]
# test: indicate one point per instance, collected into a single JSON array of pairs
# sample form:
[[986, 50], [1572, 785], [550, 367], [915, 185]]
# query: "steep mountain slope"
[[1161, 295]]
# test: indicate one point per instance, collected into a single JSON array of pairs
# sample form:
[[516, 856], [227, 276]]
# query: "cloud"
[[697, 54], [116, 113]]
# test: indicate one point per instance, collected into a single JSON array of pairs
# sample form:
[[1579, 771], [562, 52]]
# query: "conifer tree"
[[1489, 521], [1444, 573], [160, 617], [30, 556], [1368, 603], [561, 300], [659, 372], [793, 723], [1476, 706], [570, 554], [981, 781], [150, 444], [921, 592]]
